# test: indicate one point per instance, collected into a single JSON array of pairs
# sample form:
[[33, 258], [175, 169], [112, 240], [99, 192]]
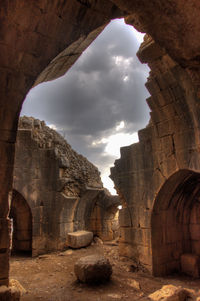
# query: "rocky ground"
[[51, 277]]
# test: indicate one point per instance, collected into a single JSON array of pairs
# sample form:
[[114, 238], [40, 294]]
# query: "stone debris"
[[93, 269], [77, 172], [14, 284], [133, 283], [97, 240], [171, 293], [79, 239], [114, 296]]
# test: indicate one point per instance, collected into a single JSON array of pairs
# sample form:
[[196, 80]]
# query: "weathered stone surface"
[[34, 34], [76, 172], [170, 293], [9, 293], [55, 190], [159, 234], [93, 269], [190, 265], [79, 239]]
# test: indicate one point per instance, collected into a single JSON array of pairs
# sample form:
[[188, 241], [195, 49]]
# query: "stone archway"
[[20, 214], [175, 222], [32, 34]]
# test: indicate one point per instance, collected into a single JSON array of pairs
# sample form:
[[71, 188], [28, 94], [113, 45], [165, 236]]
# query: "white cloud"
[[120, 126], [114, 142]]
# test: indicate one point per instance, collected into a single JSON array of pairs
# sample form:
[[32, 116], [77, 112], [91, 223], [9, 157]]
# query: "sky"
[[99, 104]]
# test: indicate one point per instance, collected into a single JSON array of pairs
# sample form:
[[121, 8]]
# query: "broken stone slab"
[[170, 293], [79, 239], [190, 265], [93, 269]]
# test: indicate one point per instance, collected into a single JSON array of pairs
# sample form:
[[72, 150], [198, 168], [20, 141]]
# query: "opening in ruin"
[[21, 216], [99, 104], [176, 225]]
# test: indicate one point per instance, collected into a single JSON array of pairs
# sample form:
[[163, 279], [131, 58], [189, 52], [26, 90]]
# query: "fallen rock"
[[170, 293], [133, 283], [98, 240], [93, 269], [14, 284], [79, 239]]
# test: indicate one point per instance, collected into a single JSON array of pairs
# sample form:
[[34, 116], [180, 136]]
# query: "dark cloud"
[[105, 86]]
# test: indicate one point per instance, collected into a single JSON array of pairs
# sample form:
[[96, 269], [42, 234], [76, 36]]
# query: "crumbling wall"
[[168, 144], [58, 184]]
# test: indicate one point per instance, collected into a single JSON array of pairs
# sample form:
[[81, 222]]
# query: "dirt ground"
[[51, 277]]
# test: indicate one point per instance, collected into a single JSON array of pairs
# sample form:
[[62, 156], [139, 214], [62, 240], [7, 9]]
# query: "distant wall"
[[60, 186]]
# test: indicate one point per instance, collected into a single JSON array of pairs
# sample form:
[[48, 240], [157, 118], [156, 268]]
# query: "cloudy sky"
[[99, 104]]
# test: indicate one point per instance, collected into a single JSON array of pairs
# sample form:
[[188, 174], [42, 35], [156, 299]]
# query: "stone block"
[[93, 269], [79, 239], [190, 265]]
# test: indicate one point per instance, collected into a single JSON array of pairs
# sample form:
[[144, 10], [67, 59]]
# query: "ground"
[[51, 277]]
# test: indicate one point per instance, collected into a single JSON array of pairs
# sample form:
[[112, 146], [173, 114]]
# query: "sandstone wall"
[[104, 221], [60, 186], [33, 33], [168, 144]]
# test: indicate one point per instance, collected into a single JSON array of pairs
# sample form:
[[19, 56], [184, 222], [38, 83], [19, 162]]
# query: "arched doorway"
[[21, 216], [175, 222]]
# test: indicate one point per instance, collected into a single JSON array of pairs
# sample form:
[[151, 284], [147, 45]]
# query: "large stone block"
[[93, 269], [79, 239]]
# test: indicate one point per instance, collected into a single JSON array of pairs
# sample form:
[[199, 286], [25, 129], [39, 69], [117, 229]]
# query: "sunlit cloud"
[[114, 142], [120, 126]]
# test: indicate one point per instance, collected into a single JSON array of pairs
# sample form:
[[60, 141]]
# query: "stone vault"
[[40, 40]]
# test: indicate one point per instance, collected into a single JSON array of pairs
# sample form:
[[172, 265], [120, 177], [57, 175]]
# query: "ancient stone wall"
[[60, 186], [104, 221], [168, 144], [33, 33]]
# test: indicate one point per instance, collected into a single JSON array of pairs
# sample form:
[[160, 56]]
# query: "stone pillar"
[[7, 140]]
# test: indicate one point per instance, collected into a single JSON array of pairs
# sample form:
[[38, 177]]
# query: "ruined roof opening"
[[99, 105]]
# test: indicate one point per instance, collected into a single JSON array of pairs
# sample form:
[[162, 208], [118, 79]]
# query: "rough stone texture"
[[157, 178], [190, 265], [93, 269], [76, 173], [9, 293], [79, 239], [170, 293], [34, 33], [104, 221], [55, 190]]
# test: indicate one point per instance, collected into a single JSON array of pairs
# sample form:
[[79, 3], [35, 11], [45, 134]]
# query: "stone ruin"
[[158, 178], [55, 191]]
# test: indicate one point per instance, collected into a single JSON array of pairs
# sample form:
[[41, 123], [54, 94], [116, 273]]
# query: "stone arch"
[[21, 215], [175, 222], [104, 216]]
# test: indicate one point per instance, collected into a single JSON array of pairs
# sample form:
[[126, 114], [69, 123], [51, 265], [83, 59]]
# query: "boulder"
[[79, 239], [93, 269]]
